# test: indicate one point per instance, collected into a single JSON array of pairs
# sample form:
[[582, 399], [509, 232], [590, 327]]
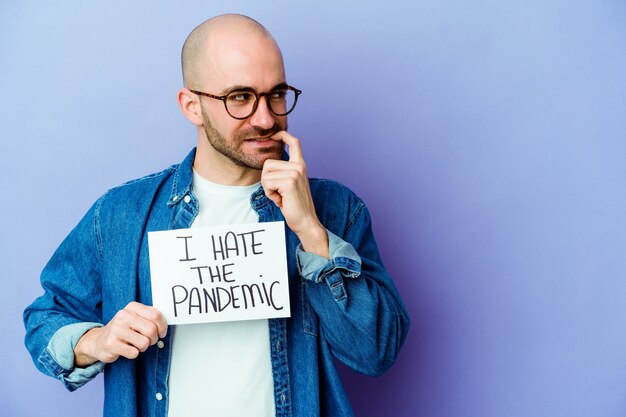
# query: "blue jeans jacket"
[[346, 307]]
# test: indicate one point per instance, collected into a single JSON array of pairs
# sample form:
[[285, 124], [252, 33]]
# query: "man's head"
[[224, 54]]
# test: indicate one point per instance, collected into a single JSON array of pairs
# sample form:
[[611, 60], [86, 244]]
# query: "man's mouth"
[[260, 139]]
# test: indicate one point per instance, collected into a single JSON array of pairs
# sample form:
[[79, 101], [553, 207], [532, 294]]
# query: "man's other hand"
[[131, 331], [287, 185]]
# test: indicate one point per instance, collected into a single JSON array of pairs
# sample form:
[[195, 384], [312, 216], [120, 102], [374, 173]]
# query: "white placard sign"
[[221, 273]]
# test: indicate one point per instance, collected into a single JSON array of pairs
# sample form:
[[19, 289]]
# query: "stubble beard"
[[233, 150]]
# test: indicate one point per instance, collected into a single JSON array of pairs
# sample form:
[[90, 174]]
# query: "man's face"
[[247, 146], [257, 64]]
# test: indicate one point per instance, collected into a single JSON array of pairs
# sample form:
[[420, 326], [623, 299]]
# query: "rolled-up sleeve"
[[70, 306], [58, 357], [342, 255]]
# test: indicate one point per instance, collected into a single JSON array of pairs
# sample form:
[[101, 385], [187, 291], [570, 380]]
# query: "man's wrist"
[[82, 355], [315, 240]]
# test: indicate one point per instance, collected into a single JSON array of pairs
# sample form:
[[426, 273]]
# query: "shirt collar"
[[182, 179], [184, 176]]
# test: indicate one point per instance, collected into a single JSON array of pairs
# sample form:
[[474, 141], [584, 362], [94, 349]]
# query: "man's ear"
[[190, 106]]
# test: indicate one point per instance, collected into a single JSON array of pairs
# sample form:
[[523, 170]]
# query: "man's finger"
[[151, 314], [132, 338], [295, 151], [272, 165], [145, 328], [127, 351]]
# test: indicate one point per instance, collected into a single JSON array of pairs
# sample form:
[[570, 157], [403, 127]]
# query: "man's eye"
[[278, 94], [241, 97]]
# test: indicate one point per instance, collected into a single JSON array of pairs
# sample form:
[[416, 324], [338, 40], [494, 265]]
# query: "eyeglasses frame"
[[256, 102]]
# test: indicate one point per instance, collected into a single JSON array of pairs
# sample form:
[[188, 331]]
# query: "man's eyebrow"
[[232, 88], [228, 90], [280, 86]]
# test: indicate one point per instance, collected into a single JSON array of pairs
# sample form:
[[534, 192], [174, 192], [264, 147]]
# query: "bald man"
[[96, 314]]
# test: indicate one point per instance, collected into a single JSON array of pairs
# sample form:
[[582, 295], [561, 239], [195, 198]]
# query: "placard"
[[221, 273]]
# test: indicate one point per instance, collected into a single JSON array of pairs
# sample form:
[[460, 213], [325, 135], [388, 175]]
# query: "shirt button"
[[159, 396], [278, 346], [283, 398], [187, 199], [160, 344]]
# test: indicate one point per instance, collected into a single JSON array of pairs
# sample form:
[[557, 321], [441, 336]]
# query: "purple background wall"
[[487, 138]]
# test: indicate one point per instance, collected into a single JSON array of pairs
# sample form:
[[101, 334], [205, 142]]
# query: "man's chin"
[[276, 151], [264, 156], [257, 160]]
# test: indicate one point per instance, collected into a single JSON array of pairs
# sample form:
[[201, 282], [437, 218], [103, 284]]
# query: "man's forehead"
[[224, 43], [254, 62]]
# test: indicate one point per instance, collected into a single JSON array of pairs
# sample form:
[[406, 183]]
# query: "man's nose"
[[262, 117]]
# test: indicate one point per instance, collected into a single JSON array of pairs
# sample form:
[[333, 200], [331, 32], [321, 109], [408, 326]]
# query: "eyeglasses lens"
[[242, 104]]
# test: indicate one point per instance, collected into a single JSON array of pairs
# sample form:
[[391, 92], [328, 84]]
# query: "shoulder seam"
[[356, 213], [147, 177], [100, 201]]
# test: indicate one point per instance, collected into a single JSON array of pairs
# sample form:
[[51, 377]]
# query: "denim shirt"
[[345, 307]]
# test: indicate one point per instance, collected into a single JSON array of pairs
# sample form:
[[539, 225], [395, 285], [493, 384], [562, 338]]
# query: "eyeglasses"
[[242, 103]]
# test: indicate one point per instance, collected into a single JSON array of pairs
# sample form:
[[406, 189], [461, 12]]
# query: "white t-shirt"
[[221, 369]]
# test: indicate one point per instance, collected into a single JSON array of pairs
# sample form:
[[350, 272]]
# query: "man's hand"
[[286, 184], [131, 331]]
